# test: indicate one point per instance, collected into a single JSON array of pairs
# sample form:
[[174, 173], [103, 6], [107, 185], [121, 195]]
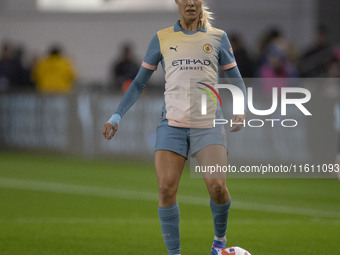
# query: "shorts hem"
[[193, 154], [167, 149]]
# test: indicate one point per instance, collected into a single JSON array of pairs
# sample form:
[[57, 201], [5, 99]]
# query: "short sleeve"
[[153, 54], [226, 54]]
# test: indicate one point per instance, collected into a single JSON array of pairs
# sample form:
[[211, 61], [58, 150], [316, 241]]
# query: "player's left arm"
[[231, 72], [235, 78]]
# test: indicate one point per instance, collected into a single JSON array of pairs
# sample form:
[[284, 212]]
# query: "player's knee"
[[217, 189], [167, 190]]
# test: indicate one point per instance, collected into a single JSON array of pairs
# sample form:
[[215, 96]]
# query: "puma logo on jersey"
[[174, 48]]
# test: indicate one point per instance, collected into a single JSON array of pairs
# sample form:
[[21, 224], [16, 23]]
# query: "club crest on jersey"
[[207, 48]]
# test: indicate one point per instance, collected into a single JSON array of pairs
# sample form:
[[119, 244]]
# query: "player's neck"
[[189, 25]]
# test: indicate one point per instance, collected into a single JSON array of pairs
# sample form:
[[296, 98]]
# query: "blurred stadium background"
[[65, 190]]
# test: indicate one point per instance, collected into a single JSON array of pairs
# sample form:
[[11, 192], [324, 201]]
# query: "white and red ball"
[[235, 251]]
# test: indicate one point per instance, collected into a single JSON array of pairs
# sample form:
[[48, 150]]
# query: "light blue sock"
[[220, 216], [169, 217]]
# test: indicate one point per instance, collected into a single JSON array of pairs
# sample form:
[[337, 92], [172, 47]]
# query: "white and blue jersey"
[[186, 55]]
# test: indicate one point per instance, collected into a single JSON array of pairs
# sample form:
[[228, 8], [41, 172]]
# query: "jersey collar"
[[178, 28]]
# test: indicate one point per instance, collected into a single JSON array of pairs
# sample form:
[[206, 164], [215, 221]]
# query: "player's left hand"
[[237, 119]]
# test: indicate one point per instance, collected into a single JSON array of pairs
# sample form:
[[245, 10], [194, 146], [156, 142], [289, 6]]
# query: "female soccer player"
[[191, 49]]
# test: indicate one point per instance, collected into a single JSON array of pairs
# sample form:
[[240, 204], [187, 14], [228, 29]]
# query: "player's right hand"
[[111, 126], [109, 131]]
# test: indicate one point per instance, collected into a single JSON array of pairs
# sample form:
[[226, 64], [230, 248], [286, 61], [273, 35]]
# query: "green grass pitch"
[[57, 205]]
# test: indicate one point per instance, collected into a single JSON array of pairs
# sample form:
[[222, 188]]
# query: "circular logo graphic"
[[207, 48]]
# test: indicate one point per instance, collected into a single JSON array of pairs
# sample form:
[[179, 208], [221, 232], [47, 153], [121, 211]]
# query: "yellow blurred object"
[[54, 74]]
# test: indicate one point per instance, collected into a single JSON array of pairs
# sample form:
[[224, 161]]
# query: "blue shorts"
[[181, 140]]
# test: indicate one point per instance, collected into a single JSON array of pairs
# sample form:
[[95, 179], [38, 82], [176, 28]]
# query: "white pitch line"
[[54, 220], [147, 221], [11, 183]]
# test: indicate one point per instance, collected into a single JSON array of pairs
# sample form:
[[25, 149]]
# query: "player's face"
[[189, 10]]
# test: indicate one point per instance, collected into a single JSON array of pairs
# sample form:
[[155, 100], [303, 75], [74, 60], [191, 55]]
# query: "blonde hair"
[[206, 17]]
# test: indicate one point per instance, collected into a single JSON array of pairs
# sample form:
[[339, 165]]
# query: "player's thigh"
[[169, 166], [214, 156]]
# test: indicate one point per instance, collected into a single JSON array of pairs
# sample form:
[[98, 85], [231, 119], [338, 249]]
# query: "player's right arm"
[[149, 65], [129, 98]]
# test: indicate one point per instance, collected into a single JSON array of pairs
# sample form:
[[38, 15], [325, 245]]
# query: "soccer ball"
[[235, 251]]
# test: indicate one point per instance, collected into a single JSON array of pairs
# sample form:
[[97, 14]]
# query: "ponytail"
[[206, 17]]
